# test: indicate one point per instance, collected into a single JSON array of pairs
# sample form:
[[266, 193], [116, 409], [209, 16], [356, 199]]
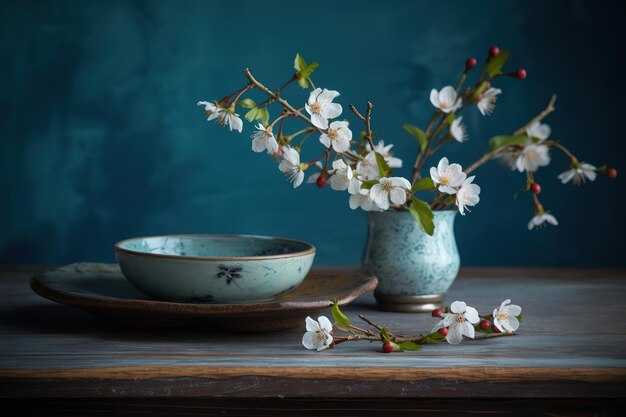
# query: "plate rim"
[[365, 284]]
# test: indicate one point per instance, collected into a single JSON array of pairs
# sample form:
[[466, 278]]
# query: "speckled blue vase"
[[414, 270]]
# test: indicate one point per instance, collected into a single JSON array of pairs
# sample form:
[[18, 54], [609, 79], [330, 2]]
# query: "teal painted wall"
[[101, 138]]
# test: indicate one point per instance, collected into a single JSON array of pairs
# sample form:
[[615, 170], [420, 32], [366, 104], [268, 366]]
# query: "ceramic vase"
[[414, 270]]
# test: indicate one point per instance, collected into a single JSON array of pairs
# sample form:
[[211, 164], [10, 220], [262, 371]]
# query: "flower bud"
[[278, 153], [470, 63], [520, 74], [443, 331], [387, 347], [485, 324], [535, 188], [321, 181], [479, 96], [495, 329], [437, 312], [487, 85], [611, 172], [493, 51]]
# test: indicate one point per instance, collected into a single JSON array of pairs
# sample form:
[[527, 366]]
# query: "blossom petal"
[[341, 145], [325, 140], [400, 182], [443, 164], [325, 324], [551, 219], [434, 175], [313, 178], [455, 335], [458, 307], [299, 179], [319, 121], [333, 110], [314, 95], [397, 196], [328, 95], [511, 324], [447, 95], [311, 325], [467, 330], [471, 315], [434, 97], [310, 341]]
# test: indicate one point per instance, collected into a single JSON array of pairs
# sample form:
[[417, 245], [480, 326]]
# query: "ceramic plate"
[[103, 290]]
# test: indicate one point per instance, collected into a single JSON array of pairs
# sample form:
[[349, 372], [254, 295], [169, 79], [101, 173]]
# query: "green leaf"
[[368, 184], [383, 168], [410, 346], [247, 103], [494, 66], [418, 134], [433, 338], [384, 334], [339, 317], [304, 70], [258, 113], [505, 140], [423, 214], [424, 184], [519, 318]]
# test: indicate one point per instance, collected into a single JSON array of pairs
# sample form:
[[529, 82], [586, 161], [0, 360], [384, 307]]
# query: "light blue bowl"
[[214, 268]]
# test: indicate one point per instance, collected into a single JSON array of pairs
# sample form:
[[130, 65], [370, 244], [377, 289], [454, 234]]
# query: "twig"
[[549, 109], [367, 120], [371, 323]]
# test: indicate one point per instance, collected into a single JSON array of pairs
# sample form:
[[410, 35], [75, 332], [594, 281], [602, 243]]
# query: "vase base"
[[408, 303]]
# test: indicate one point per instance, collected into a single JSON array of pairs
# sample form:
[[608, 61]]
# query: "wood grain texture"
[[564, 349]]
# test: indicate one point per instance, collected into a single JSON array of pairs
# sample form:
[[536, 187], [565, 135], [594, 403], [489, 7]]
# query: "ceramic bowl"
[[214, 268]]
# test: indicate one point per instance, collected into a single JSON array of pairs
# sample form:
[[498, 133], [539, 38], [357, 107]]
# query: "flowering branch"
[[458, 322]]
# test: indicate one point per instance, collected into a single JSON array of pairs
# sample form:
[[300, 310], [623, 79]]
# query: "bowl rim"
[[310, 251]]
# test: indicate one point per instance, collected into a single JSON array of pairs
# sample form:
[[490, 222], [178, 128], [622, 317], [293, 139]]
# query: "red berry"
[[321, 181], [496, 330], [535, 188], [520, 74], [443, 331], [470, 63], [485, 324], [493, 51], [387, 347], [437, 312], [611, 173]]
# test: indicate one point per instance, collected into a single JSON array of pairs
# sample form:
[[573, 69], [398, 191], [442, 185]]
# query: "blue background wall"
[[100, 137]]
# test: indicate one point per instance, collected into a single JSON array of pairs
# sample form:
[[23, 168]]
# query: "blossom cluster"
[[457, 323], [354, 163]]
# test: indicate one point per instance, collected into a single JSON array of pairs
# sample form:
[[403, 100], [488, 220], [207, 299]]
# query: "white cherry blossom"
[[338, 135], [343, 178], [539, 130], [445, 100], [321, 107], [318, 336], [532, 157], [467, 195], [459, 322], [390, 190], [368, 167], [223, 115], [505, 316], [579, 174], [291, 166], [362, 199], [385, 151], [488, 101], [458, 130], [450, 177], [263, 139], [540, 219]]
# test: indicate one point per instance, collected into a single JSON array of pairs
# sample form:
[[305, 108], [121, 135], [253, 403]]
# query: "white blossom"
[[343, 178], [263, 139], [223, 115], [338, 135], [321, 107], [390, 190], [579, 174], [445, 100], [291, 166], [467, 195], [362, 199], [368, 167], [458, 130], [459, 322], [385, 151], [449, 176], [539, 130], [540, 219], [505, 316], [488, 101], [532, 157], [318, 336]]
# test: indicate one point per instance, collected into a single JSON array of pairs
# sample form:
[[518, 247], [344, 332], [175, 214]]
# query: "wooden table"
[[569, 356]]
